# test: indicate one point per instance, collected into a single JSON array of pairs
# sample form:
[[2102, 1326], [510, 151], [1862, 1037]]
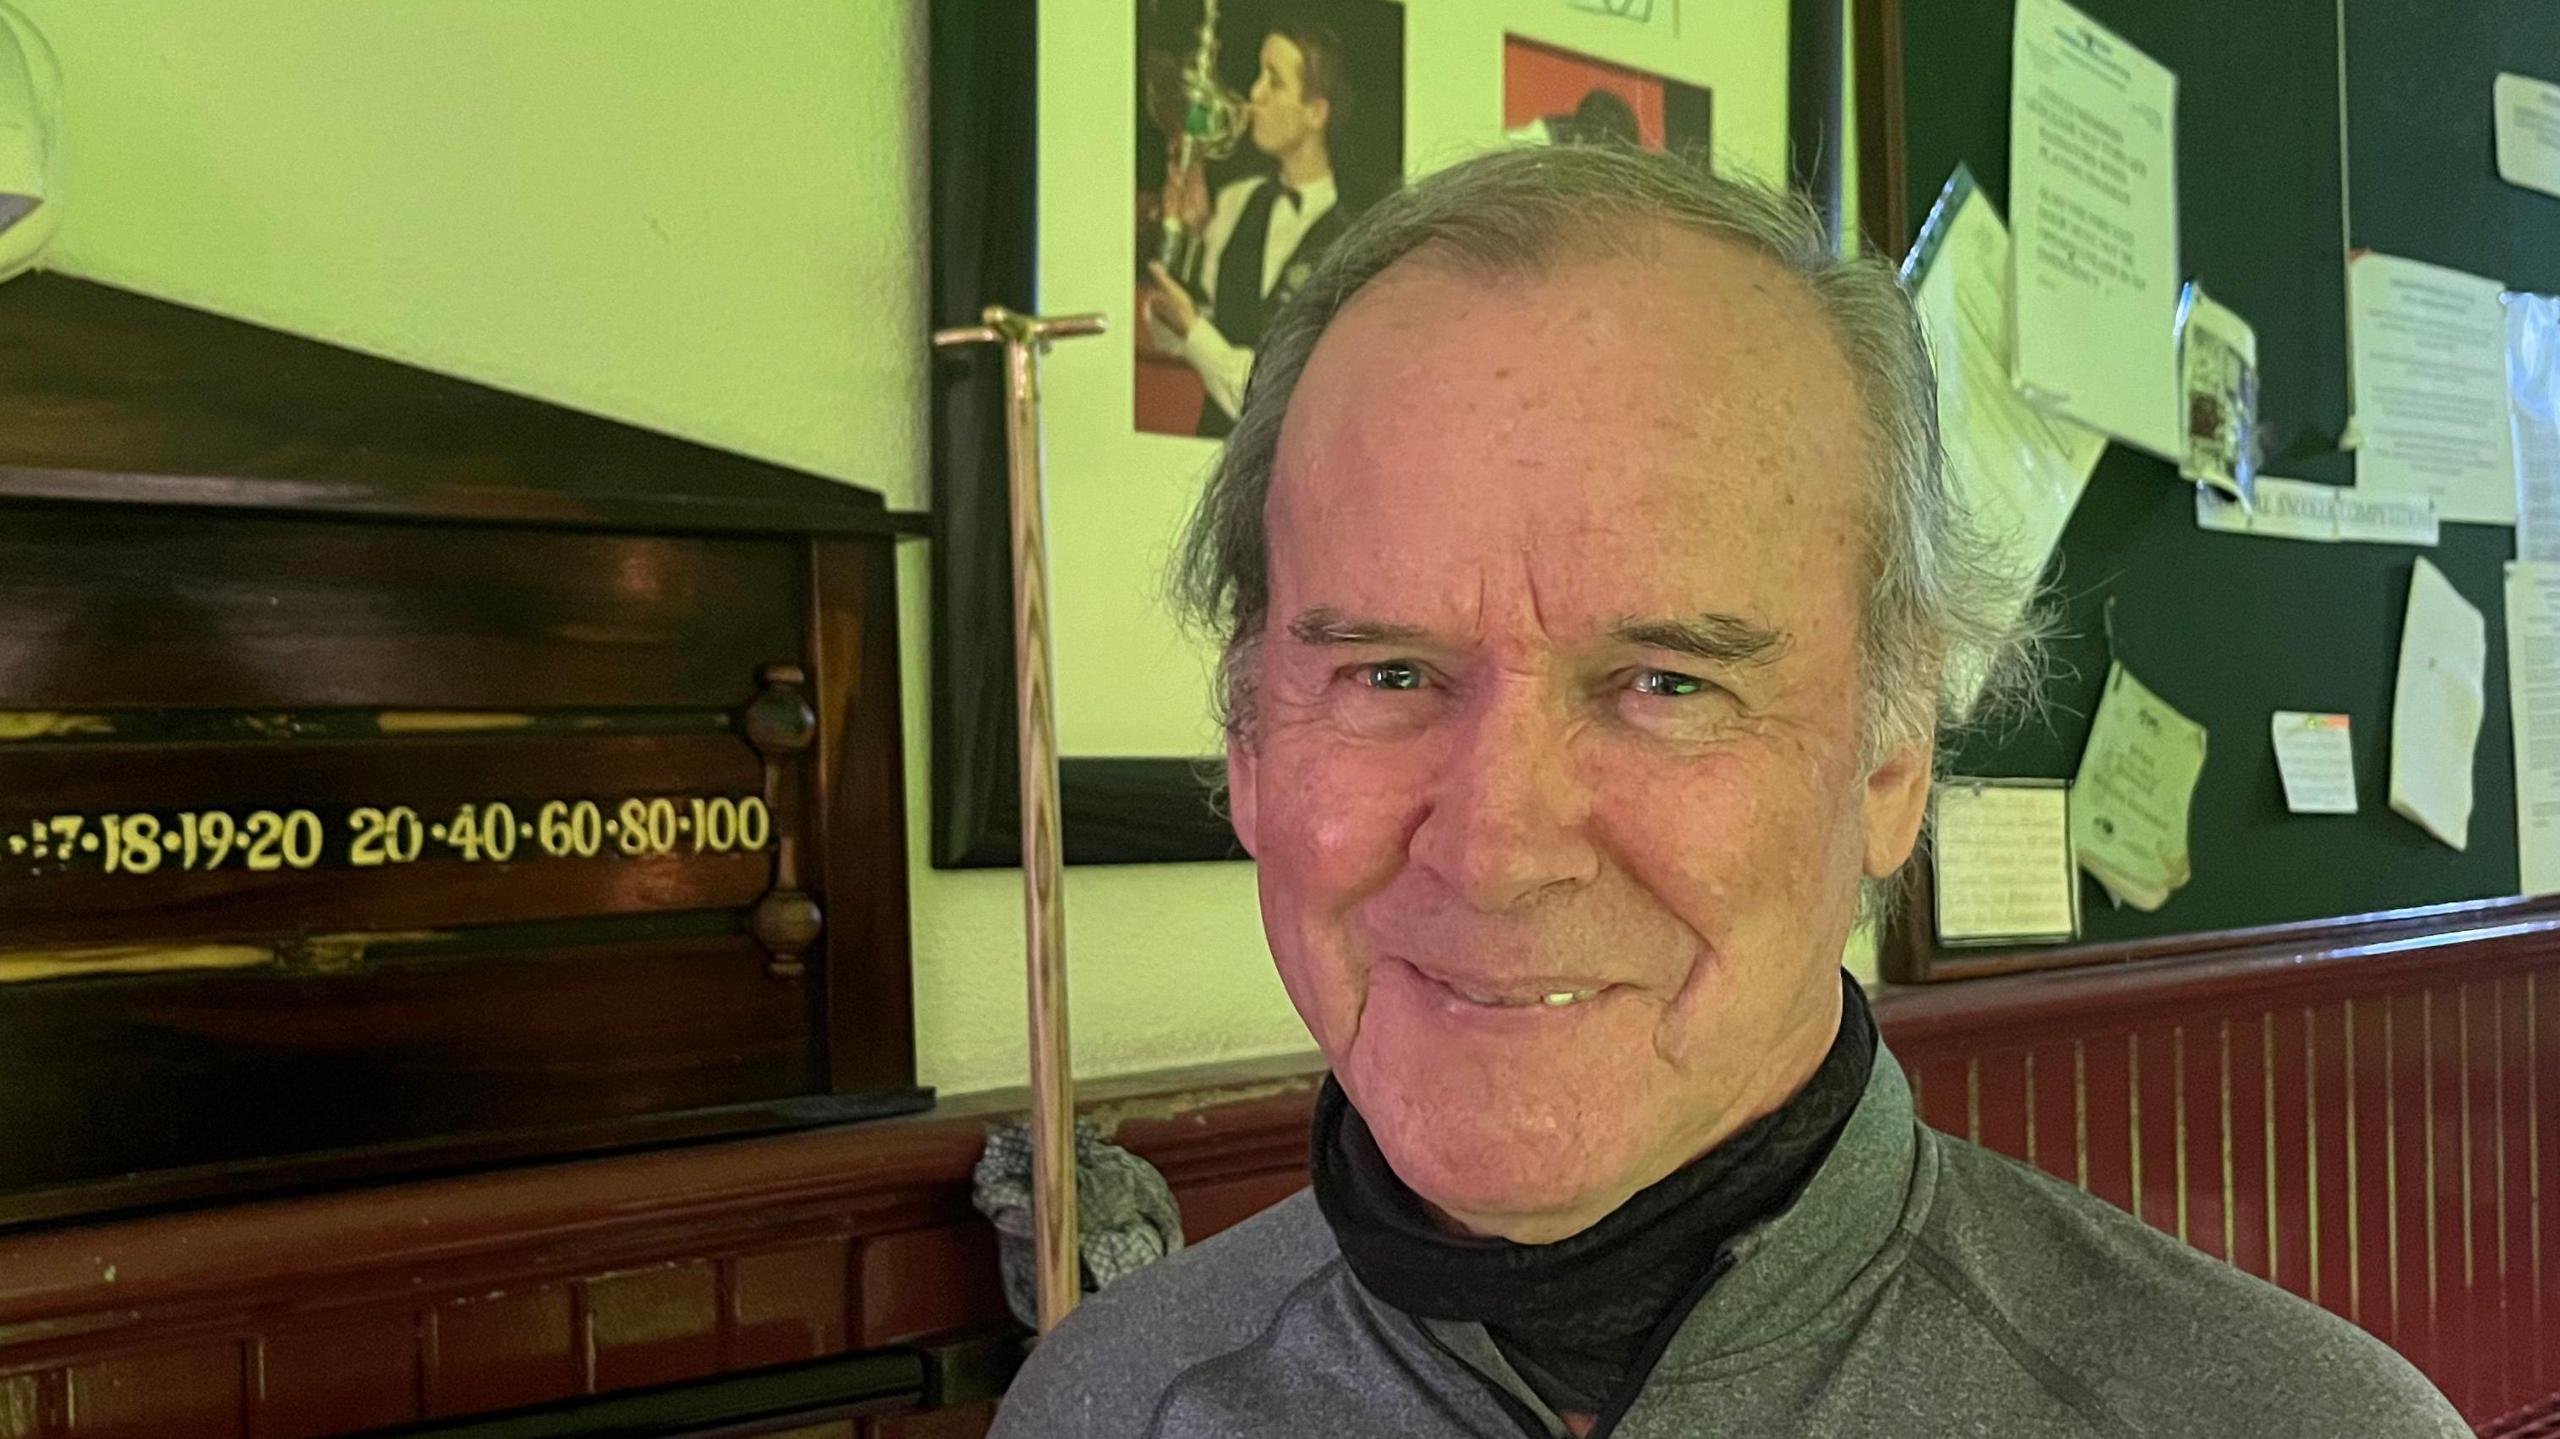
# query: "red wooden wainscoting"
[[444, 1298], [2363, 1125], [2377, 1132]]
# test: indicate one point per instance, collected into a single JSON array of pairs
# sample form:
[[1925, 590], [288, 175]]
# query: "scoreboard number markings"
[[370, 836]]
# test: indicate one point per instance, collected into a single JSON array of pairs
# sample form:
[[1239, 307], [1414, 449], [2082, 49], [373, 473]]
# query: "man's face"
[[1282, 115], [1555, 780]]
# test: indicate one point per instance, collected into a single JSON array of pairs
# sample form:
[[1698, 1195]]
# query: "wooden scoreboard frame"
[[259, 586]]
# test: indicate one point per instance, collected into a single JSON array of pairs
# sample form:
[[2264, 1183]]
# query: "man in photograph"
[[1260, 235], [1586, 577], [1600, 117]]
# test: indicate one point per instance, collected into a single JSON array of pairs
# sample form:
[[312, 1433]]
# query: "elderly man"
[[1586, 575]]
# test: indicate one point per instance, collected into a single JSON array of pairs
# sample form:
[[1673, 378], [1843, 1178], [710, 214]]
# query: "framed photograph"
[[1179, 165], [1262, 129], [2000, 853], [1552, 96]]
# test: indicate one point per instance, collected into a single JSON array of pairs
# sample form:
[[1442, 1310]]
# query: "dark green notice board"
[[2229, 628]]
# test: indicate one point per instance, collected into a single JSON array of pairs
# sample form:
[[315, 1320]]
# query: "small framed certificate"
[[2003, 861]]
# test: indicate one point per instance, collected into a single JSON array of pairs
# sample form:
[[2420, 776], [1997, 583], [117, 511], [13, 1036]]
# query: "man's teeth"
[[1558, 999]]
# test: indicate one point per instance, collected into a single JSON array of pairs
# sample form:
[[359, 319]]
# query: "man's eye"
[[1388, 675], [1668, 684]]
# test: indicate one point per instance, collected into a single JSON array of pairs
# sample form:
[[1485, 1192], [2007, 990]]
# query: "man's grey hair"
[[1941, 607]]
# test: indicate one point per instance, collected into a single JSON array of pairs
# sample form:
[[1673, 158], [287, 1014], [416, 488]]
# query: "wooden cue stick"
[[1053, 1155]]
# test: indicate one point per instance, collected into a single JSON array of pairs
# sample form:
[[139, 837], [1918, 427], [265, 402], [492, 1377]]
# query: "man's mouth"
[[1552, 999], [1550, 992]]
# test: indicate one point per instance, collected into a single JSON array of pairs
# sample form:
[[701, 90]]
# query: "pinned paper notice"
[[2020, 471], [2303, 510], [2137, 781], [2218, 369], [2435, 707], [2528, 130], [2093, 191], [2533, 421], [2533, 701], [2379, 517], [2426, 357], [2003, 861], [2317, 760]]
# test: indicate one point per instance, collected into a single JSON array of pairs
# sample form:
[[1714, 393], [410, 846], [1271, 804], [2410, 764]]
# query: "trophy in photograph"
[[1207, 120]]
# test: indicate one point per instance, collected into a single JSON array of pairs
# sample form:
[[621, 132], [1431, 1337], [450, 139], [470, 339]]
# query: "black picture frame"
[[981, 145], [982, 119]]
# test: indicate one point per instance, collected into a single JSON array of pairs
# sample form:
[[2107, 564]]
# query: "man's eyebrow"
[[1715, 638], [1323, 625]]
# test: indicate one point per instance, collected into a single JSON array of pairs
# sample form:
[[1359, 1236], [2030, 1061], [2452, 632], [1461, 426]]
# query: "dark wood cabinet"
[[397, 774]]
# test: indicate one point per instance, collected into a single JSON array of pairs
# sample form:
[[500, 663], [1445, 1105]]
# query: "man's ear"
[[1243, 800], [1897, 800], [1322, 112]]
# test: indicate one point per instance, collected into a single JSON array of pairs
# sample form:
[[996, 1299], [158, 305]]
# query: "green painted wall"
[[705, 218]]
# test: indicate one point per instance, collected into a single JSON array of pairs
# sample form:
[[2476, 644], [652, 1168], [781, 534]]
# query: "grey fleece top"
[[1921, 1286]]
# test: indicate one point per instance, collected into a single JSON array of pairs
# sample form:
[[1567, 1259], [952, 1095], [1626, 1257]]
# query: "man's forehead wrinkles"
[[1537, 602]]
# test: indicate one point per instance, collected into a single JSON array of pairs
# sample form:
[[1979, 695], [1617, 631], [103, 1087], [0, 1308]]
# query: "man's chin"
[[1489, 1175], [1526, 1205]]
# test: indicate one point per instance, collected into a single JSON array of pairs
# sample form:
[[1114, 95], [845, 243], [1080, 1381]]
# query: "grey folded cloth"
[[1125, 1214]]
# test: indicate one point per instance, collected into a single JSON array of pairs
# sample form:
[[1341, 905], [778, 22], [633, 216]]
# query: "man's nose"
[[1509, 819]]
